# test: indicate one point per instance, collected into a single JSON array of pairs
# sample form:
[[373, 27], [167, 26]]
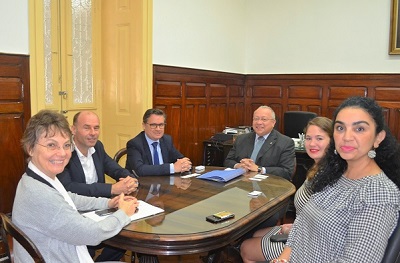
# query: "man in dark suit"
[[276, 153], [85, 171], [266, 151], [152, 152]]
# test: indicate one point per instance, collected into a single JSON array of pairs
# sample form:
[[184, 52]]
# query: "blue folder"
[[222, 175]]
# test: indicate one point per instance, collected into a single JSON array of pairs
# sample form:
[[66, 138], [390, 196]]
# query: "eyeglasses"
[[262, 119], [155, 125], [51, 147]]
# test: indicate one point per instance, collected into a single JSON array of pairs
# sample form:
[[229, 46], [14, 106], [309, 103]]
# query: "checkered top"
[[348, 222]]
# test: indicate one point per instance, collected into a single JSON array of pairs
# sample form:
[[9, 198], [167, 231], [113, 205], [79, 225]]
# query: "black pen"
[[135, 174]]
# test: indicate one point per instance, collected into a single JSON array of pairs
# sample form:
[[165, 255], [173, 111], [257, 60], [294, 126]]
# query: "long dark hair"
[[387, 157]]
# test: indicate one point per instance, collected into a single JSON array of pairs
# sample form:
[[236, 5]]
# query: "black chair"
[[295, 121], [392, 252], [119, 154], [8, 228]]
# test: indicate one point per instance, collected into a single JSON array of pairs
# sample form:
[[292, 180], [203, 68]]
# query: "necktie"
[[156, 161], [257, 148]]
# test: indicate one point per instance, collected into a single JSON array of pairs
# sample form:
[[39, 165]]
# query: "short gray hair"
[[269, 108], [45, 122]]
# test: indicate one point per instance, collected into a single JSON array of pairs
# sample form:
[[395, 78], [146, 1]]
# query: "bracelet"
[[278, 260]]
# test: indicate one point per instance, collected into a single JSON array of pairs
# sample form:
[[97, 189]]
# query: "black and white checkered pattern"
[[348, 222], [272, 250]]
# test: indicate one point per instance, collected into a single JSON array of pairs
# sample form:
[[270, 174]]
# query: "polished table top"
[[183, 229]]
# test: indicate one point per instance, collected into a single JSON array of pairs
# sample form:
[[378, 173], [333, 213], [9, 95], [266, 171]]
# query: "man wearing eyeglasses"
[[152, 152], [85, 172], [265, 150]]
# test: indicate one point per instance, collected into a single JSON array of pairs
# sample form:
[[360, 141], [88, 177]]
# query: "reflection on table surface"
[[183, 229]]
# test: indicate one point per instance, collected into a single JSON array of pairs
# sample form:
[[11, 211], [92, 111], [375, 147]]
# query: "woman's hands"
[[128, 204]]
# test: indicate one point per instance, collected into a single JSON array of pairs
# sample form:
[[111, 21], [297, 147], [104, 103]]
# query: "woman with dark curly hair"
[[355, 205]]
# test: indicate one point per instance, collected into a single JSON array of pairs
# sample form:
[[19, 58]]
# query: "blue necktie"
[[257, 148], [156, 161]]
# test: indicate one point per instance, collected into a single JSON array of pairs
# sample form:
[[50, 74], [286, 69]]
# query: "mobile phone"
[[279, 238], [220, 216], [105, 212], [224, 215]]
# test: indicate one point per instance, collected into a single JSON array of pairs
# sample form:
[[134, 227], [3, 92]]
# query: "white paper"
[[255, 193], [190, 175], [145, 210], [260, 176], [255, 179]]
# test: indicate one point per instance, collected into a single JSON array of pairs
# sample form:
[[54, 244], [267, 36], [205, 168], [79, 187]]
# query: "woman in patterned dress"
[[356, 200]]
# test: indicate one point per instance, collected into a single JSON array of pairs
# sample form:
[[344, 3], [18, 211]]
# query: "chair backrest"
[[8, 228], [295, 121], [392, 252], [119, 155]]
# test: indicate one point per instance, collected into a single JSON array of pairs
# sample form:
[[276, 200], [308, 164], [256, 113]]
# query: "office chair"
[[392, 252], [120, 154], [8, 228], [295, 121]]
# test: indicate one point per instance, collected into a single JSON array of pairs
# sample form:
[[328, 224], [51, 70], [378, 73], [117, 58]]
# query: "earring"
[[372, 154], [335, 152]]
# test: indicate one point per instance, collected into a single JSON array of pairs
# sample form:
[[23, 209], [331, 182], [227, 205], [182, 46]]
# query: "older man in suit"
[[265, 150], [152, 152], [85, 172]]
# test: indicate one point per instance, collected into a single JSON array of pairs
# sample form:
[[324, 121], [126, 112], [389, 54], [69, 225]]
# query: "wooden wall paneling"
[[12, 158], [205, 100], [236, 106], [389, 98], [304, 98], [15, 111], [232, 98], [194, 115]]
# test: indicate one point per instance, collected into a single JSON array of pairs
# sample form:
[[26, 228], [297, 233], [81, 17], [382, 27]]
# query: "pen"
[[135, 174]]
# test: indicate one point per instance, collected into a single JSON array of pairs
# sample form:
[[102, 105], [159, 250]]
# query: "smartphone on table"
[[220, 216]]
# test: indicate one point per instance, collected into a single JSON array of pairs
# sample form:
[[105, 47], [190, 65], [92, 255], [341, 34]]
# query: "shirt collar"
[[150, 141], [265, 136], [91, 151], [36, 170]]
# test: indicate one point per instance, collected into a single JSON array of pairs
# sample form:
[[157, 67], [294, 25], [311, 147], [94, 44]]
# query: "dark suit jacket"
[[139, 156], [276, 154], [73, 177]]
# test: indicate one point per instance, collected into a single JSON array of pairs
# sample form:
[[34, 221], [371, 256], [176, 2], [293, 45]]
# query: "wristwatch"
[[259, 169]]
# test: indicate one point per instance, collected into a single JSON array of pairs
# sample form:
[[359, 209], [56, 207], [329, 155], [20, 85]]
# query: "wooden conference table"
[[183, 229]]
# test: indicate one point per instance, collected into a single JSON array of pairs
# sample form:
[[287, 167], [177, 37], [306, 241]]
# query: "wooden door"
[[126, 68], [14, 114]]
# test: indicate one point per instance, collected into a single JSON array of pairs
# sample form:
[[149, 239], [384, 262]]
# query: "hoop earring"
[[372, 154]]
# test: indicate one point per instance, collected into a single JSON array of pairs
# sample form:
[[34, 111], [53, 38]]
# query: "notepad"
[[145, 210], [222, 175]]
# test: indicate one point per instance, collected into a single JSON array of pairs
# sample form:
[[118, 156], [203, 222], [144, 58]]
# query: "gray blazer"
[[276, 155], [54, 226]]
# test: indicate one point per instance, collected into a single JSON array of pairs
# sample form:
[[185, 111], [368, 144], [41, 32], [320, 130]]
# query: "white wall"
[[280, 36], [14, 28], [253, 36], [202, 34], [314, 36]]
